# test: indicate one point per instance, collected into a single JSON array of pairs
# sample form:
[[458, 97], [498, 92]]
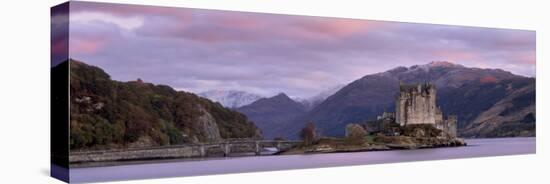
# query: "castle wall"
[[451, 123], [399, 111], [416, 104]]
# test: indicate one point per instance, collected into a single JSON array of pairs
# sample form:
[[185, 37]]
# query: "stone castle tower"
[[416, 104]]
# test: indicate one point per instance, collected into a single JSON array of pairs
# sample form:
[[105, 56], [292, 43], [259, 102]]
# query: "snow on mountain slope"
[[230, 98]]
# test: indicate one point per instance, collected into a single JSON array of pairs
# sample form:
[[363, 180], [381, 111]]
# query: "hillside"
[[108, 114], [514, 115]]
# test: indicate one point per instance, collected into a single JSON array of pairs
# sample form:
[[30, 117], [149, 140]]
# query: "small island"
[[417, 123]]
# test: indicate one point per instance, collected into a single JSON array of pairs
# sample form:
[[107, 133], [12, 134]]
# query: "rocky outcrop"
[[208, 126]]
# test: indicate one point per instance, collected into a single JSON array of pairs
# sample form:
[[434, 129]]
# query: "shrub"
[[420, 130], [354, 134], [174, 135]]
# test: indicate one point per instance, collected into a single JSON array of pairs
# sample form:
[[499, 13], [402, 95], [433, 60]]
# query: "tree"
[[355, 134], [308, 134]]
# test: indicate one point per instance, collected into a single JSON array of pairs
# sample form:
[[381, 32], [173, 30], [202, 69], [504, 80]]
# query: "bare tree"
[[308, 134]]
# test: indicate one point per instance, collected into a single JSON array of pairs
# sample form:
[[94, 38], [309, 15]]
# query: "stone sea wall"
[[102, 156]]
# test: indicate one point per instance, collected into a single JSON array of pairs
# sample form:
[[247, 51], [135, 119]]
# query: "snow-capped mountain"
[[230, 98], [317, 99]]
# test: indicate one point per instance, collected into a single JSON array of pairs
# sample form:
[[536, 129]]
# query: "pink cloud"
[[251, 26], [59, 47], [338, 27], [324, 27], [206, 27], [213, 36], [239, 21], [226, 27], [526, 58], [86, 46], [266, 41], [129, 10]]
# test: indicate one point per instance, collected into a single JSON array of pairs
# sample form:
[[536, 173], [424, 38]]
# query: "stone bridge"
[[246, 146], [220, 149]]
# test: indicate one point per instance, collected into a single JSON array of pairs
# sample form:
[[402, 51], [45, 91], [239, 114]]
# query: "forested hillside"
[[108, 114]]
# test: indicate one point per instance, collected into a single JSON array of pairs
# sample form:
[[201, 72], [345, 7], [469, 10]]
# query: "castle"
[[416, 104]]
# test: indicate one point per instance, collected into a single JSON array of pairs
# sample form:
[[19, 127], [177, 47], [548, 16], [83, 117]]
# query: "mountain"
[[273, 115], [315, 100], [108, 114], [230, 98], [477, 96]]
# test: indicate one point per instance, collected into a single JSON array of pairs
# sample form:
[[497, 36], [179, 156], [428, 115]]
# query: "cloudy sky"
[[199, 50]]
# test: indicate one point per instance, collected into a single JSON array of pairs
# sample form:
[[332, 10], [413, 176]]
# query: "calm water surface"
[[175, 168]]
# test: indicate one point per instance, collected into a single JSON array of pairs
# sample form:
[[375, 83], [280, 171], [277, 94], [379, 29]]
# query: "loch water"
[[177, 168]]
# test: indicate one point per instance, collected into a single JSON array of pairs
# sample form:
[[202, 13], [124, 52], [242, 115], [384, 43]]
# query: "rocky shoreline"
[[378, 143]]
